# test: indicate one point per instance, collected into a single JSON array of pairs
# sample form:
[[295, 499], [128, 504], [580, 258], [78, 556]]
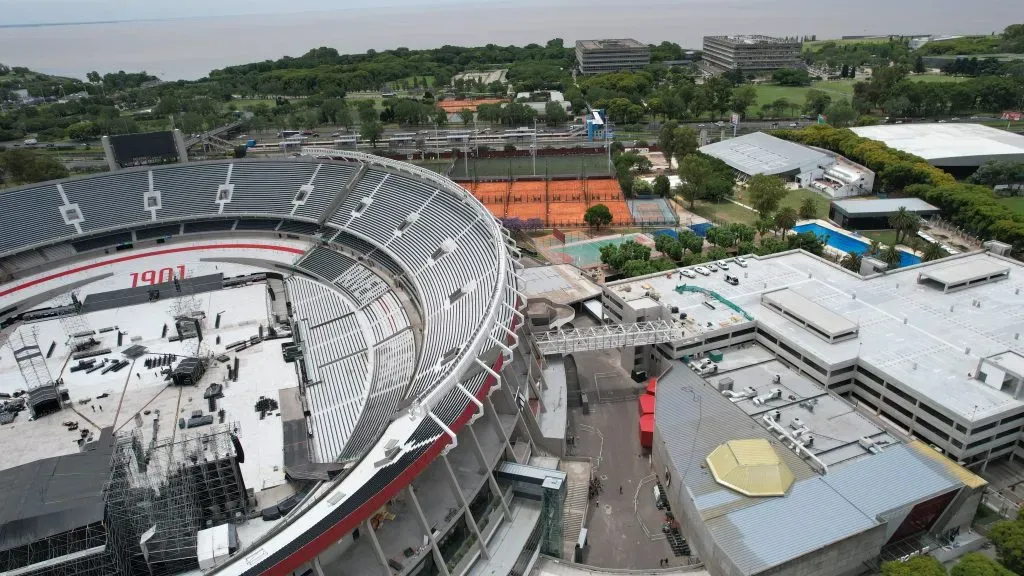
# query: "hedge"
[[972, 207]]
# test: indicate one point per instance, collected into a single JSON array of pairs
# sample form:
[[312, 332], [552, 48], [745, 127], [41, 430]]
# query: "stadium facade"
[[388, 305]]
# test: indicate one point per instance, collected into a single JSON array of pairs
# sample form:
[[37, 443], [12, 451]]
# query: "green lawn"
[[887, 237], [815, 45], [768, 93], [1016, 203], [722, 212], [793, 200], [936, 78]]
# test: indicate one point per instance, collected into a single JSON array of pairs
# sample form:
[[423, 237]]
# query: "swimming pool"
[[849, 244], [586, 254]]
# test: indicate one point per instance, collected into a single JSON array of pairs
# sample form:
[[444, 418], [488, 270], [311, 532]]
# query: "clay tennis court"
[[556, 202]]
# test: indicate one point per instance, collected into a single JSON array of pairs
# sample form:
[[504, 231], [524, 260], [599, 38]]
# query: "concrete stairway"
[[577, 503]]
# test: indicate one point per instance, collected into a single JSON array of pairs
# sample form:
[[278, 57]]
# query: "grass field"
[[793, 200], [591, 164], [936, 78], [768, 93], [1016, 203], [719, 212], [815, 45], [887, 237]]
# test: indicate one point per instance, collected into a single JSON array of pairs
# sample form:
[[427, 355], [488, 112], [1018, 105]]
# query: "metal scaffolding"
[[29, 357], [158, 498], [608, 336]]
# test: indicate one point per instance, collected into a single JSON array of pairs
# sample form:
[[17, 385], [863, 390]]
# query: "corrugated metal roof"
[[811, 516], [896, 477], [751, 467], [694, 419], [761, 153], [959, 472]]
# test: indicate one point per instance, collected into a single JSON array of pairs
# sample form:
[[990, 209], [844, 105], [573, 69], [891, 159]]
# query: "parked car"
[[688, 273], [794, 125], [702, 271], [711, 266], [722, 264], [740, 261], [732, 280]]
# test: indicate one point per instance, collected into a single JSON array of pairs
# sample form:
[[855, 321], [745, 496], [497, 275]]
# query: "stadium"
[[363, 310]]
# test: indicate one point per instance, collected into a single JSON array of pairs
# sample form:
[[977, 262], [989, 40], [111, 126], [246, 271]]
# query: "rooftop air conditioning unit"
[[796, 423]]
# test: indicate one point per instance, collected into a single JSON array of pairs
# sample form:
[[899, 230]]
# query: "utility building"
[[751, 54], [596, 56]]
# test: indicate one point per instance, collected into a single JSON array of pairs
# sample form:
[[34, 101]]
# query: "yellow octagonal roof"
[[750, 467]]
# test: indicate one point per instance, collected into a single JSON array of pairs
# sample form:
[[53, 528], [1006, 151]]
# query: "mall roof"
[[883, 207], [908, 331], [949, 144], [818, 509], [761, 153]]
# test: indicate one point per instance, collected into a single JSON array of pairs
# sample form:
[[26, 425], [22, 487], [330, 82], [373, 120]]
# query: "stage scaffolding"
[[160, 496]]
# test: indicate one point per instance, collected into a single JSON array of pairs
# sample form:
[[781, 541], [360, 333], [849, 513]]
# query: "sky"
[[22, 12]]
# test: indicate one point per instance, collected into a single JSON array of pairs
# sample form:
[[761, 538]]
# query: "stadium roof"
[[750, 467], [761, 153], [949, 144], [883, 207]]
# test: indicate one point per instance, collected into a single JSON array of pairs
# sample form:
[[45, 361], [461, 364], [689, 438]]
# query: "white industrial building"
[[813, 168], [949, 144]]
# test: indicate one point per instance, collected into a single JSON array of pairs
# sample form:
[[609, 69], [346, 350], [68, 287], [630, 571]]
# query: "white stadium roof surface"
[[761, 153], [949, 144]]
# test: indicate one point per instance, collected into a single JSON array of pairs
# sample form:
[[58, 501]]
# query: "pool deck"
[[557, 253], [854, 235]]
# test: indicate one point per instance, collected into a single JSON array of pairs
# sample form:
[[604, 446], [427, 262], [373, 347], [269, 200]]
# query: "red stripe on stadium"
[[129, 257], [349, 523]]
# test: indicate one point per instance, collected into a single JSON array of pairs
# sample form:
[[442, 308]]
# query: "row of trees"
[[971, 564], [892, 92], [972, 207]]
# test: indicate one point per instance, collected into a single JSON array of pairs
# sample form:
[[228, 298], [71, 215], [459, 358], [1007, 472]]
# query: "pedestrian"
[[620, 490], [597, 503]]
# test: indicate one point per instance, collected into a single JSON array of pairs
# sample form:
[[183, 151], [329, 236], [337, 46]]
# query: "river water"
[[189, 48]]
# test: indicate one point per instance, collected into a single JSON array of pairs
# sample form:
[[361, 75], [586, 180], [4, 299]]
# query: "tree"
[[891, 256], [785, 219], [466, 115], [916, 566], [808, 209], [765, 193], [597, 215], [665, 141], [816, 102], [841, 114], [20, 166], [845, 71], [1008, 537], [933, 252], [684, 142], [689, 240], [976, 564], [371, 131], [904, 222], [555, 114], [742, 98], [851, 262], [83, 131], [695, 172], [240, 151], [764, 224], [791, 77], [642, 188], [780, 106], [662, 186]]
